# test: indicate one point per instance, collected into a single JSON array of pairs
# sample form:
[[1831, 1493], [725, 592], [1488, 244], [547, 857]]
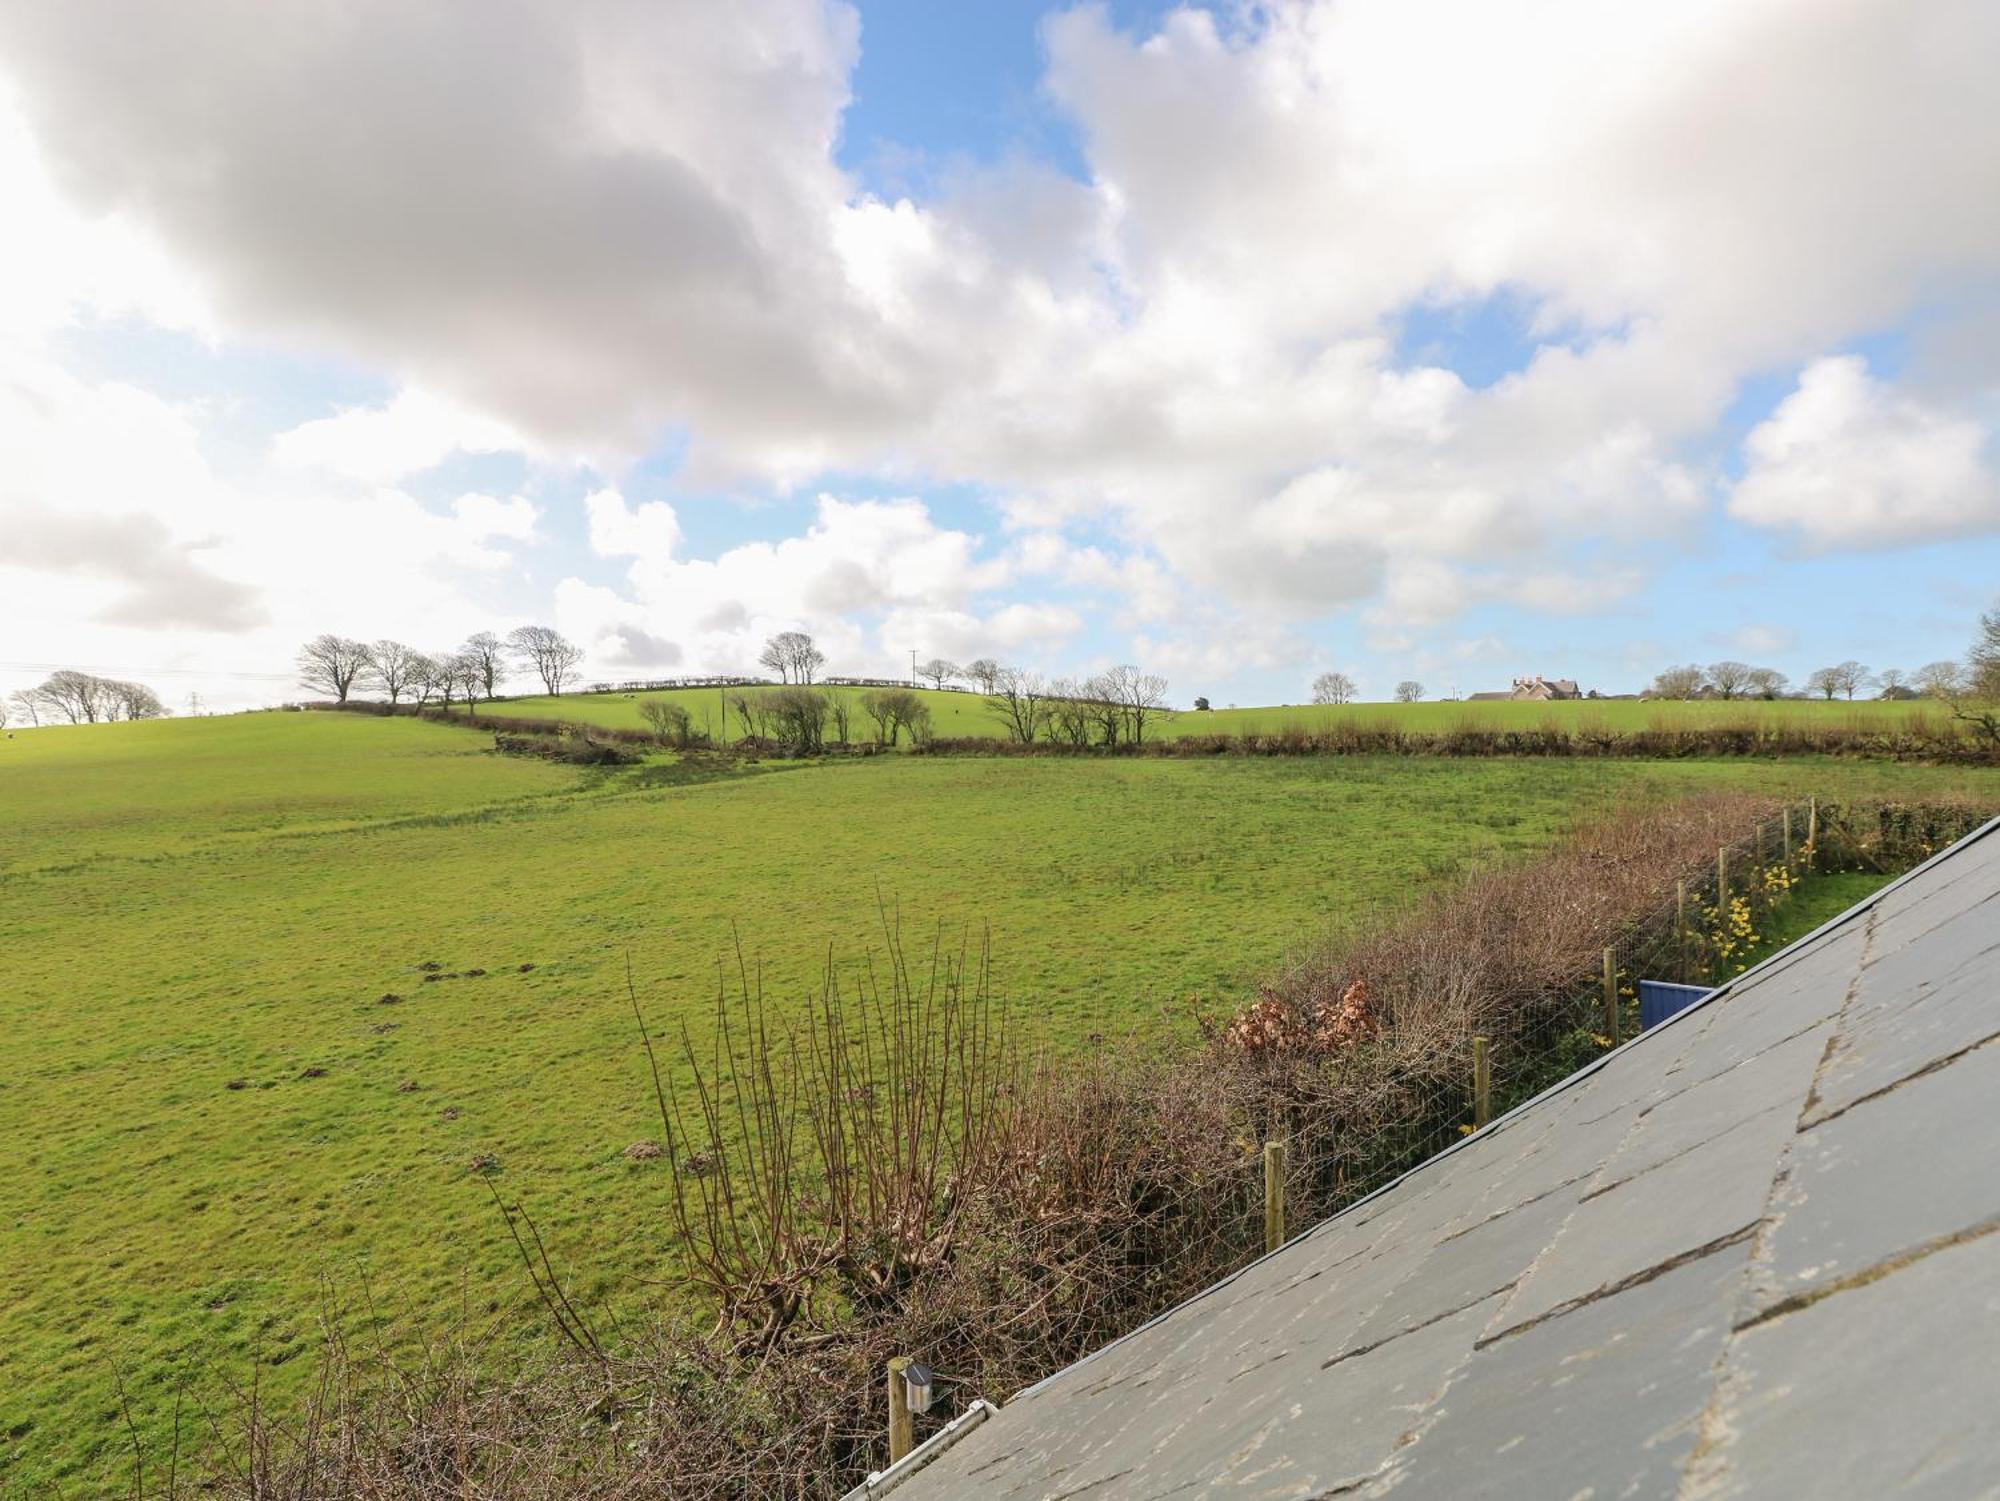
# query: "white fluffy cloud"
[[870, 578], [414, 432], [126, 550], [584, 229], [1846, 461]]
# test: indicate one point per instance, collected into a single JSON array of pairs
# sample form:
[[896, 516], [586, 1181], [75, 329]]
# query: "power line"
[[150, 672]]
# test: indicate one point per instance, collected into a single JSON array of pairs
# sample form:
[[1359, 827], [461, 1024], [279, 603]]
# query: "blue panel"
[[1659, 999]]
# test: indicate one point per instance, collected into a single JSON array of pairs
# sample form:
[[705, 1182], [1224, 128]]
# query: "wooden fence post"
[[1681, 926], [1788, 836], [1611, 1007], [1482, 1085], [1812, 830], [1721, 876], [1274, 1195], [902, 1427]]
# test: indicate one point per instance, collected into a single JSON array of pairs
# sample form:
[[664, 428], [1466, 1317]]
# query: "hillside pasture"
[[159, 787], [300, 973]]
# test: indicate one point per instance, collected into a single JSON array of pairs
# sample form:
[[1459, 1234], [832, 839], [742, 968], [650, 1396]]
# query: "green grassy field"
[[214, 1121], [965, 714]]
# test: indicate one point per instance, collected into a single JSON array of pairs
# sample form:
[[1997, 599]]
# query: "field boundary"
[[1921, 738]]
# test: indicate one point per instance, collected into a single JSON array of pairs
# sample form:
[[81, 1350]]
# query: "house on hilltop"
[[1534, 690], [1754, 1252]]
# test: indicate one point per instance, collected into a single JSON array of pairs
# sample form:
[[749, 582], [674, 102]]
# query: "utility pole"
[[194, 705], [913, 667]]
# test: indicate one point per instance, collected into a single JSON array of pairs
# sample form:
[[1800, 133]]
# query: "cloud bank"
[[1184, 375]]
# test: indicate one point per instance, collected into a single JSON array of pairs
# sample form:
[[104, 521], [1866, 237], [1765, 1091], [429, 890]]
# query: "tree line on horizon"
[[1978, 676], [341, 666], [1107, 708], [83, 698]]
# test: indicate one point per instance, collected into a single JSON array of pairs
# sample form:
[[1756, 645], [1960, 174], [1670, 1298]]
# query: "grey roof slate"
[[1751, 1253]]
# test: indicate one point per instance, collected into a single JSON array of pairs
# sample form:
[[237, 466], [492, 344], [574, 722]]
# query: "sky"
[[1438, 339]]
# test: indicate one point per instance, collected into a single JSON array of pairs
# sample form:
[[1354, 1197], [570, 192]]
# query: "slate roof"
[[1750, 1253]]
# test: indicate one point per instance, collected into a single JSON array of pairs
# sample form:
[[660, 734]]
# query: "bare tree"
[[793, 656], [1767, 682], [1333, 688], [77, 696], [937, 672], [1139, 697], [26, 702], [66, 693], [1068, 712], [1850, 677], [1102, 708], [132, 701], [488, 655], [1973, 698], [841, 708], [552, 655], [1730, 679], [1825, 681], [439, 676], [798, 715], [1940, 679], [6, 711], [753, 711], [876, 706], [669, 720], [1983, 661], [1020, 700], [916, 718], [894, 710], [1894, 683], [473, 677], [983, 673], [333, 664], [83, 698], [423, 677], [397, 668], [1409, 691], [1677, 682]]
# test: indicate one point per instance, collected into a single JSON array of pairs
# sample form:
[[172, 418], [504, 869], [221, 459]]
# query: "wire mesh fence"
[[1714, 926]]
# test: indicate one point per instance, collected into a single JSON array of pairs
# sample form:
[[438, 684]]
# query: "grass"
[[204, 1113], [956, 714], [1819, 900], [81, 792]]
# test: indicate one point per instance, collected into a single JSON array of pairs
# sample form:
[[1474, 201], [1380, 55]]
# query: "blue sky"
[[1241, 344]]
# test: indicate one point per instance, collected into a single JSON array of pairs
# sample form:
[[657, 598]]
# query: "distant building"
[[1535, 690]]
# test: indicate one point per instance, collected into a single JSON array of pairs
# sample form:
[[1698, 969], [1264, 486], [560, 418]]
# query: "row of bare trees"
[[805, 720], [1115, 707], [1723, 680], [982, 673], [793, 656], [340, 666], [1844, 680], [82, 698]]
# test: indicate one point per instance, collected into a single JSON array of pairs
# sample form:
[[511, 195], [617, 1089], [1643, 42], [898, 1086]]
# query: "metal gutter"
[[881, 1482]]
